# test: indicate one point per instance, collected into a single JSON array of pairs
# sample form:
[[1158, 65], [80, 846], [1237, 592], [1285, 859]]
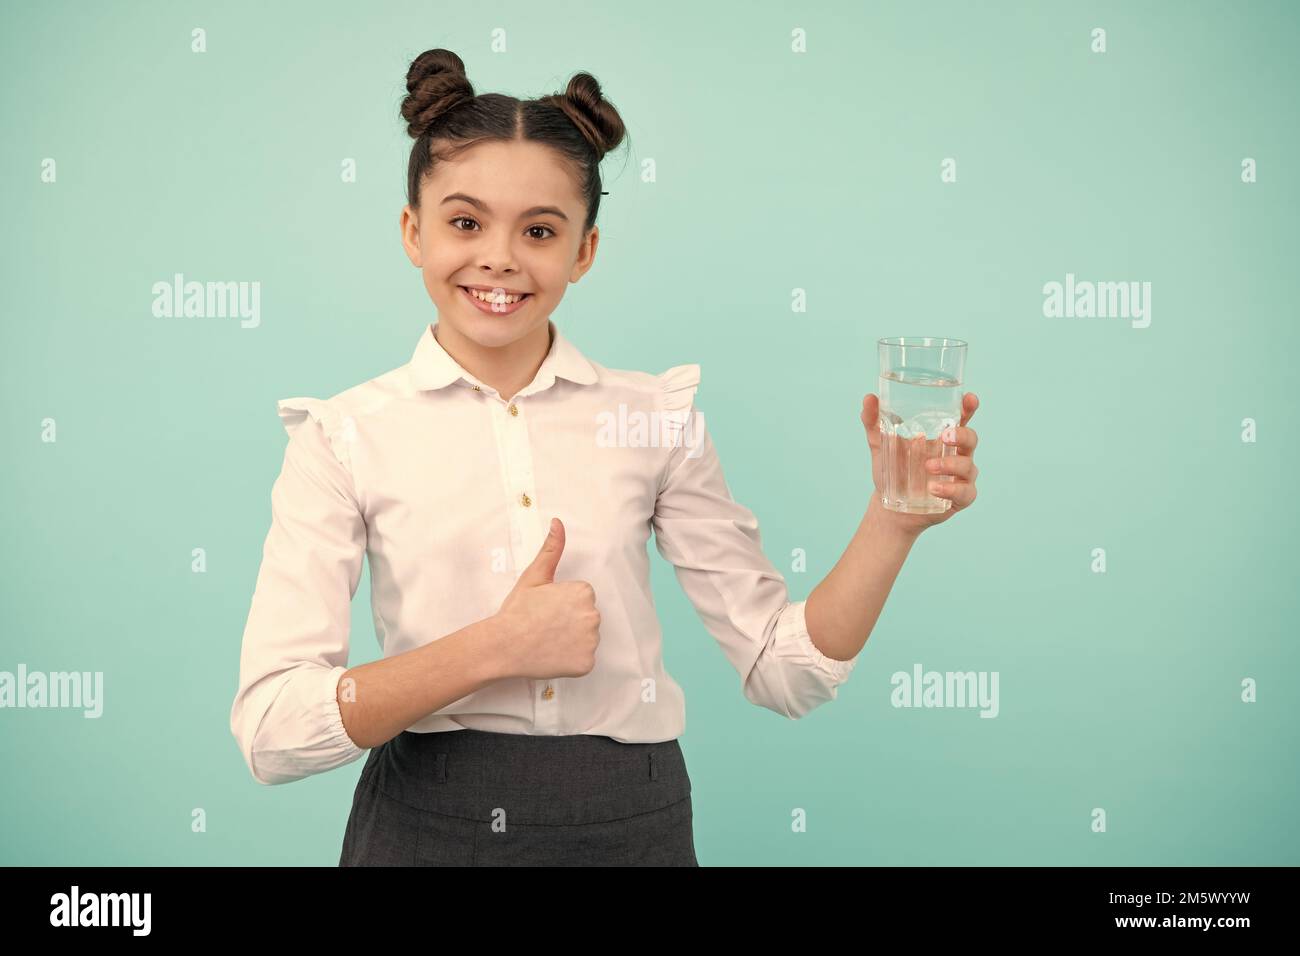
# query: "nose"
[[498, 258]]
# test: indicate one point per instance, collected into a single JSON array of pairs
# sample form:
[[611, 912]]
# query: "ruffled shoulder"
[[679, 384], [295, 411], [677, 397]]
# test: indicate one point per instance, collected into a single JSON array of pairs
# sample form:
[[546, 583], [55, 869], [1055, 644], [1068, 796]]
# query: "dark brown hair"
[[445, 117]]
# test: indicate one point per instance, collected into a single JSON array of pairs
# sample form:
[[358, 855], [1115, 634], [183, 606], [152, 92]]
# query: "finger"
[[969, 403], [965, 439], [961, 493], [871, 418], [542, 569], [959, 466]]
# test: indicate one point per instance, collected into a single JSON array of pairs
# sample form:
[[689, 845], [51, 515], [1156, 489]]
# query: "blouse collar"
[[431, 367]]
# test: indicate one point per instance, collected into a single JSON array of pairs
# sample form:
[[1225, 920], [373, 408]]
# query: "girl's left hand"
[[960, 490]]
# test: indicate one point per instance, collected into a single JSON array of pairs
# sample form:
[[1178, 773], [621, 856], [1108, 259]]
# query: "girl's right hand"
[[553, 627]]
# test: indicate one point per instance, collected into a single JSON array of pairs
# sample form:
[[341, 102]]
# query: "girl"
[[504, 487]]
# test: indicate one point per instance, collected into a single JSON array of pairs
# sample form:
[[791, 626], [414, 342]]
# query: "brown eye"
[[462, 219], [539, 226]]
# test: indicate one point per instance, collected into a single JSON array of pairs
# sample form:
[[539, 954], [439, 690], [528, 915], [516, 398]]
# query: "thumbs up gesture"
[[554, 626]]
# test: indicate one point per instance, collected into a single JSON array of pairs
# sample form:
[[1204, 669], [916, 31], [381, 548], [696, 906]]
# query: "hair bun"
[[435, 84], [594, 115]]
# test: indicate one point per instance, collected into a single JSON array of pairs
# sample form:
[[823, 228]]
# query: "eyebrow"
[[535, 211]]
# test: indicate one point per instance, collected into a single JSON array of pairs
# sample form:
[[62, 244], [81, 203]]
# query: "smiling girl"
[[521, 712]]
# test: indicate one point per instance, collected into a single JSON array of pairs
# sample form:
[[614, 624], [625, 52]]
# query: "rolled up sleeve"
[[286, 717], [742, 599]]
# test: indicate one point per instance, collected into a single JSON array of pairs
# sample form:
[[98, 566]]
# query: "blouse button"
[[525, 500], [513, 409], [477, 389], [549, 692]]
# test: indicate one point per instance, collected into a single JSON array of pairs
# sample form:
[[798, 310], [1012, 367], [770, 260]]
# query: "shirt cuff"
[[334, 729], [792, 631]]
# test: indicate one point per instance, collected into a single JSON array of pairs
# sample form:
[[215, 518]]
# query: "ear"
[[586, 254], [409, 223]]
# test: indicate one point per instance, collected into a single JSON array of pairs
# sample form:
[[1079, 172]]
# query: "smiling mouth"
[[498, 298], [495, 305]]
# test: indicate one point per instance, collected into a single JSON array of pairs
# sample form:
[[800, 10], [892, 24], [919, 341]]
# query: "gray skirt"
[[474, 798]]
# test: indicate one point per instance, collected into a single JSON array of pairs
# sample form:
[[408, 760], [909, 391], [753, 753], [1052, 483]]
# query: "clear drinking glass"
[[920, 395]]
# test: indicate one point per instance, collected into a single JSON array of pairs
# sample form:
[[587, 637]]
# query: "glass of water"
[[920, 396]]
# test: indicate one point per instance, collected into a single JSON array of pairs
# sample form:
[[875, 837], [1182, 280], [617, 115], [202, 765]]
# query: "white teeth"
[[497, 299]]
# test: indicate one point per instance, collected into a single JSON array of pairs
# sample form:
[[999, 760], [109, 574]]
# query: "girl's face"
[[502, 216]]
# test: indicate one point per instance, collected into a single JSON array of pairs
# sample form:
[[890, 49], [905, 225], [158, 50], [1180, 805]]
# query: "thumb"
[[871, 418], [870, 409], [542, 570]]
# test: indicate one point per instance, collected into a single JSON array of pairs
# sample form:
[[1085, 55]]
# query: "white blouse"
[[449, 487]]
